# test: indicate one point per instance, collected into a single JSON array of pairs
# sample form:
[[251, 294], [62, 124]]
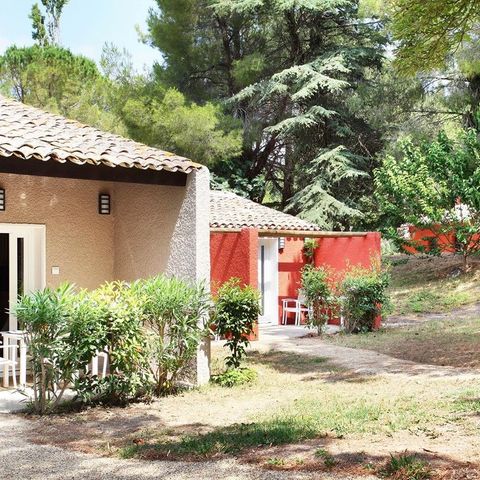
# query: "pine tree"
[[286, 69]]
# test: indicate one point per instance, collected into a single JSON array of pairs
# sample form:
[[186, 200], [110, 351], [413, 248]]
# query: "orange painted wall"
[[235, 255], [420, 237]]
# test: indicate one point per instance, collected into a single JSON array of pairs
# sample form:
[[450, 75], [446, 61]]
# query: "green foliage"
[[309, 247], [149, 331], [175, 314], [235, 376], [318, 294], [48, 77], [363, 297], [429, 31], [236, 311], [119, 311], [286, 70], [46, 27], [435, 186], [39, 32], [407, 467], [44, 315], [202, 132]]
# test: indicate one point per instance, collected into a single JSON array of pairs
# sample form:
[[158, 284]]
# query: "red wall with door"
[[236, 255], [338, 253]]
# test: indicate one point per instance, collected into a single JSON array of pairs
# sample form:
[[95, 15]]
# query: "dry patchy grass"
[[452, 342], [423, 284]]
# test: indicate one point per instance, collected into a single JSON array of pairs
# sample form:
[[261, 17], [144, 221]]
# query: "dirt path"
[[367, 362]]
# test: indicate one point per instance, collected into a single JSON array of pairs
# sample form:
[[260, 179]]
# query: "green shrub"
[[235, 376], [236, 311], [319, 296], [149, 330], [117, 313], [363, 297], [44, 315], [175, 314]]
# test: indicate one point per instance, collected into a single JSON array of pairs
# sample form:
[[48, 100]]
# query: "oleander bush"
[[44, 315], [176, 316], [149, 332]]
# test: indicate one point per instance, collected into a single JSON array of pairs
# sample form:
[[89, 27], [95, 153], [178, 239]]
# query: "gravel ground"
[[22, 460]]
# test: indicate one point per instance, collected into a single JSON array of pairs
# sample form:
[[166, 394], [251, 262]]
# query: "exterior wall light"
[[281, 243], [104, 204], [2, 199]]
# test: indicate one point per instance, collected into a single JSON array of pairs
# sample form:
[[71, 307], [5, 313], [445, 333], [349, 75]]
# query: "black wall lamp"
[[2, 199], [104, 207]]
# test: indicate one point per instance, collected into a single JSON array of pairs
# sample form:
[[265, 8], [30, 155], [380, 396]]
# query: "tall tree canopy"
[[429, 31], [46, 27], [285, 69]]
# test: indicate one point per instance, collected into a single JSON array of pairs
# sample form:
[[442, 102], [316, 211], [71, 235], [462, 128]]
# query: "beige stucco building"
[[84, 206]]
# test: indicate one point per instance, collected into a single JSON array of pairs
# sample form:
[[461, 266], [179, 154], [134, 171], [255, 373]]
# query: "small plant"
[[309, 247], [363, 297], [318, 294], [276, 462], [235, 376], [406, 467], [328, 459], [236, 310]]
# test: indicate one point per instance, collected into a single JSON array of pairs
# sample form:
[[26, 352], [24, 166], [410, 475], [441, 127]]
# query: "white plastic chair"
[[8, 362], [296, 306]]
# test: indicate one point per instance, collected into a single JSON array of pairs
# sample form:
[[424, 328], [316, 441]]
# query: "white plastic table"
[[16, 337]]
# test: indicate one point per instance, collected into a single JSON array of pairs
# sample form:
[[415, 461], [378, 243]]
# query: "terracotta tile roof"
[[27, 132], [228, 210]]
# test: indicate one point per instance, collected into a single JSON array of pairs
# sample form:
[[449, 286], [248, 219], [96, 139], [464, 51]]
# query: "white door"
[[268, 279], [22, 266]]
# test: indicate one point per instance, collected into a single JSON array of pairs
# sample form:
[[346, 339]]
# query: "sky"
[[85, 27]]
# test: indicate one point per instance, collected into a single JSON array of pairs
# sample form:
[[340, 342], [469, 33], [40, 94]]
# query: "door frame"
[[270, 272], [34, 260]]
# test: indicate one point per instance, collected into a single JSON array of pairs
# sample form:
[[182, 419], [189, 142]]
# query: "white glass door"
[[22, 266], [268, 279]]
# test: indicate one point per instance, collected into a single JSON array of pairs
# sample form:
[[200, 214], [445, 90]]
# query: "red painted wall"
[[234, 255], [420, 237], [337, 253]]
